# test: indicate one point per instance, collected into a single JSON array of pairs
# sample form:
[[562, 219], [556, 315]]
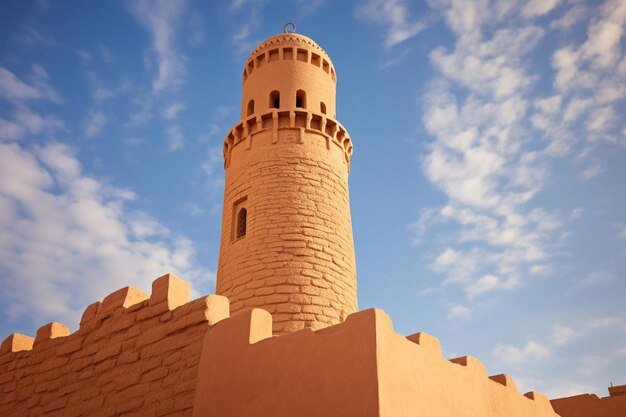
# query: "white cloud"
[[31, 36], [171, 112], [162, 18], [576, 213], [518, 358], [395, 16], [535, 8], [459, 311], [457, 265], [608, 322], [590, 76], [563, 389], [175, 139], [596, 278], [490, 283], [69, 239], [95, 122], [24, 121], [591, 171], [249, 18], [486, 155], [570, 18], [562, 335], [15, 89]]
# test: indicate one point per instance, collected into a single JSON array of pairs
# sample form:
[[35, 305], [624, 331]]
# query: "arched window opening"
[[301, 99], [241, 223], [250, 107], [275, 100], [323, 107]]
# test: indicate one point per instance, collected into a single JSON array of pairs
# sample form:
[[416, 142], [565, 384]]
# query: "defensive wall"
[[133, 355], [163, 355], [360, 367], [590, 405]]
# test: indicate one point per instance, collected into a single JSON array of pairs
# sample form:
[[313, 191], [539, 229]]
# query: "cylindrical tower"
[[286, 242]]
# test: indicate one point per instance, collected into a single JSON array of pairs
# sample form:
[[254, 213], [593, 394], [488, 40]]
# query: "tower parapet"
[[286, 243]]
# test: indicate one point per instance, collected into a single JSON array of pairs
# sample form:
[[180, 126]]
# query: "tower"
[[286, 243]]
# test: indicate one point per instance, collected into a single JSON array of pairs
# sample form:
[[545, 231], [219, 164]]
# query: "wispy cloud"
[[31, 36], [536, 8], [456, 311], [518, 357], [171, 111], [395, 16], [562, 335], [24, 121], [15, 89], [597, 278], [591, 171], [249, 13], [94, 123], [60, 224], [162, 18], [175, 138], [495, 137]]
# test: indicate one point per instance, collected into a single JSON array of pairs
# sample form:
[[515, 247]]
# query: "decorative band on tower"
[[286, 243]]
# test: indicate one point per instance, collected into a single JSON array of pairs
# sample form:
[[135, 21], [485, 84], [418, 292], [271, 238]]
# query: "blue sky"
[[487, 183]]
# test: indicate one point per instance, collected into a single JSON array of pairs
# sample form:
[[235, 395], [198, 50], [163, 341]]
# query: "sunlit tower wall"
[[286, 243]]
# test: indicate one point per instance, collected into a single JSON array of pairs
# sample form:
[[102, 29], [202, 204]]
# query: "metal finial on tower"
[[289, 27]]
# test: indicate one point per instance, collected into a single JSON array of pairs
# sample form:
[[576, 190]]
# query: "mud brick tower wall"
[[286, 243]]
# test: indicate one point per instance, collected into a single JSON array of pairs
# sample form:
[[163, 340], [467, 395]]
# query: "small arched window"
[[275, 100], [241, 223], [323, 107], [250, 107], [301, 99]]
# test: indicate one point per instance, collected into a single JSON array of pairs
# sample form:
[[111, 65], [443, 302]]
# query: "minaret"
[[286, 242]]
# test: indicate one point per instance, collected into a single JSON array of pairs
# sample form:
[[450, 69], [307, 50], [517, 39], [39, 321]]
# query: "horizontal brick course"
[[124, 359]]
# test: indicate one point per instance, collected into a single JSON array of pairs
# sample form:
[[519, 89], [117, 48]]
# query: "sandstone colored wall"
[[297, 258], [133, 355], [287, 166], [287, 63], [590, 405], [357, 368]]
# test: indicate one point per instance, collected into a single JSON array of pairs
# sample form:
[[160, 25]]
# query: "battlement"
[[277, 120], [132, 351], [365, 367], [285, 47], [585, 405], [162, 354]]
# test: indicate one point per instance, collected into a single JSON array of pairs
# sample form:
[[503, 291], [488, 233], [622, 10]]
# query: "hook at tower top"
[[289, 27]]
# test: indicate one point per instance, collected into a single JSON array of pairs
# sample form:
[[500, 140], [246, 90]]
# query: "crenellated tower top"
[[288, 71], [287, 241]]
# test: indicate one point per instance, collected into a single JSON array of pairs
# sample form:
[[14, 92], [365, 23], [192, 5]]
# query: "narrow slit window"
[[301, 99], [242, 218], [323, 107], [275, 100], [250, 108]]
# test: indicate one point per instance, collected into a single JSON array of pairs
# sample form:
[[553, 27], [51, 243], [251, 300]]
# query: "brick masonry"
[[288, 168], [133, 355]]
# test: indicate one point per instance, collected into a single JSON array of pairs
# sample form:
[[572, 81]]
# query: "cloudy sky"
[[488, 182]]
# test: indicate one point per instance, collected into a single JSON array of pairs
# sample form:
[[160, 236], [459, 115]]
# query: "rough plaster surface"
[[288, 167], [357, 368], [590, 405], [133, 355]]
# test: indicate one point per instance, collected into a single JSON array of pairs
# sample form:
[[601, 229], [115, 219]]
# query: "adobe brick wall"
[[288, 168], [357, 368], [590, 405], [133, 355]]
